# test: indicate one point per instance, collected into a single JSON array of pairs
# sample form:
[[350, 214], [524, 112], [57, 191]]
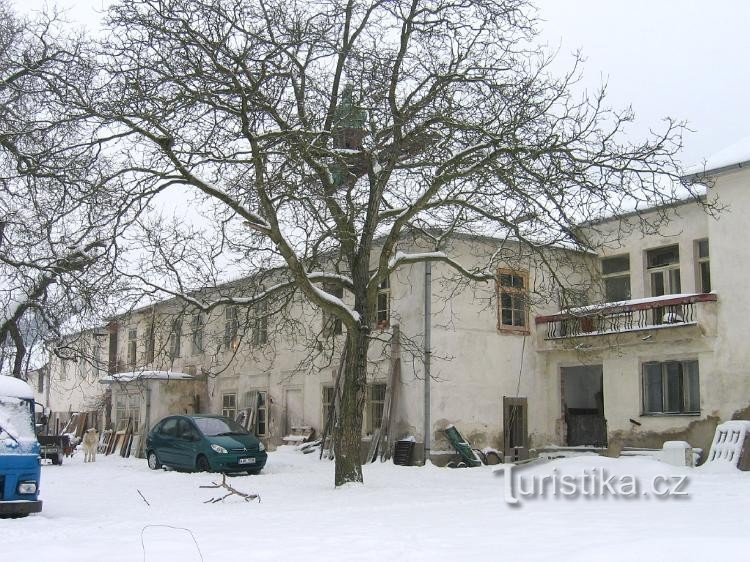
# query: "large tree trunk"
[[20, 350], [348, 436]]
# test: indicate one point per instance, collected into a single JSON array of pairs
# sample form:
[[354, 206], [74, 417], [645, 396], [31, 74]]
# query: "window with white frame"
[[260, 326], [197, 324], [512, 289], [175, 339], [121, 408], [127, 406], [616, 278], [261, 420], [134, 410], [375, 405], [663, 265], [132, 347], [671, 387], [704, 267], [255, 401], [229, 404], [383, 308], [231, 328]]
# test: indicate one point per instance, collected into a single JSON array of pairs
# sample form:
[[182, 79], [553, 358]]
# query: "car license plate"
[[247, 461]]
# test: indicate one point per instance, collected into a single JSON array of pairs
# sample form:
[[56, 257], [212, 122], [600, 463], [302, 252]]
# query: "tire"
[[56, 459], [202, 464], [153, 461], [254, 472]]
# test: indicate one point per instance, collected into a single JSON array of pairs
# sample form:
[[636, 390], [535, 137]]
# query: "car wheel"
[[56, 459], [153, 461], [254, 472], [202, 465]]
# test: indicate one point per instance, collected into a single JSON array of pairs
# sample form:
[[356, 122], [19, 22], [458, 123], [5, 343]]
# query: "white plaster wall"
[[73, 385], [687, 223], [730, 271]]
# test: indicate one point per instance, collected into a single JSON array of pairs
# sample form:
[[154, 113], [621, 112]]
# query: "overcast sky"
[[683, 58]]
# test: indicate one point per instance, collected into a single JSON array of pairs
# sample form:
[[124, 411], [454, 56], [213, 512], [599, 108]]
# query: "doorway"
[[515, 429], [294, 409], [583, 406]]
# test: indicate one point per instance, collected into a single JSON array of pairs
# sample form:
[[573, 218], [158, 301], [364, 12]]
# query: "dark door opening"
[[515, 429], [583, 406]]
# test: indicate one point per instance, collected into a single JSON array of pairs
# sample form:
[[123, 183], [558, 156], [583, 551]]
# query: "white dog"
[[90, 442]]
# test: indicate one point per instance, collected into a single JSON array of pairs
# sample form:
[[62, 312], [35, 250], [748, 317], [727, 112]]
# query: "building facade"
[[642, 343]]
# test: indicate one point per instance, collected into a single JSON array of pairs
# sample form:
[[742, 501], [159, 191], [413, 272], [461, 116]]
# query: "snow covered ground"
[[93, 512]]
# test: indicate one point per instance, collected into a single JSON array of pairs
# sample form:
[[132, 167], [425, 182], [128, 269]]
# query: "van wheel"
[[153, 461], [202, 464], [57, 459]]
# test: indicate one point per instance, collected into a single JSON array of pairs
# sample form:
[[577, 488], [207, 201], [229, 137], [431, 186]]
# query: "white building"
[[510, 369]]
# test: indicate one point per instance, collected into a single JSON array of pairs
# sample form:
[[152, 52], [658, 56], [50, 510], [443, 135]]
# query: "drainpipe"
[[147, 422], [427, 352]]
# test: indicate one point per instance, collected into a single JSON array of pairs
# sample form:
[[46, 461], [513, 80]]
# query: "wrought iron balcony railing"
[[625, 316]]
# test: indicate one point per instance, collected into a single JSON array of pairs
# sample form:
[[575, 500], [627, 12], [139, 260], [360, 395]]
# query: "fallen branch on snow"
[[232, 491]]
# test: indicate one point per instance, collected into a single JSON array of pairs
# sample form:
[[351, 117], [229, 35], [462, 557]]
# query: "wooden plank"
[[127, 437], [330, 423], [384, 434]]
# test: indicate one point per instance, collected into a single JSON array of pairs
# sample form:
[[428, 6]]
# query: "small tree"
[[320, 133]]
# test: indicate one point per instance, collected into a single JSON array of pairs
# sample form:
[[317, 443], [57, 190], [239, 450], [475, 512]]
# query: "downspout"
[[427, 353], [147, 422]]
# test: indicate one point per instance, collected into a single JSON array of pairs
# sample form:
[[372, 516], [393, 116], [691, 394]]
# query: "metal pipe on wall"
[[427, 353]]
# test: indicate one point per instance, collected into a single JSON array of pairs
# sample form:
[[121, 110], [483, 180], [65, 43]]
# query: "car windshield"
[[211, 427], [15, 420]]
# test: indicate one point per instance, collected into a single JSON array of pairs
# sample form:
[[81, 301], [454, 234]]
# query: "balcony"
[[653, 313]]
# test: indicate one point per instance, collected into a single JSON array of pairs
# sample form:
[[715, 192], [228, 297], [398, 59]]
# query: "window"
[[186, 431], [196, 325], [229, 405], [383, 309], [327, 401], [121, 407], [663, 265], [260, 329], [175, 339], [375, 406], [169, 427], [134, 410], [616, 277], [150, 343], [255, 402], [512, 289], [671, 387], [231, 328], [132, 347], [331, 324], [704, 270], [261, 422], [127, 406]]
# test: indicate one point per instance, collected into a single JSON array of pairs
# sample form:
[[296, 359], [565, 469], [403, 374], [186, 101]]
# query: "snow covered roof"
[[12, 386], [733, 156], [131, 376]]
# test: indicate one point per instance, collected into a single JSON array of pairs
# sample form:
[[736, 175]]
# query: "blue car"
[[204, 443]]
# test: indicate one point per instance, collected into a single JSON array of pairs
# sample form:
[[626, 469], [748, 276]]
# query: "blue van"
[[20, 463]]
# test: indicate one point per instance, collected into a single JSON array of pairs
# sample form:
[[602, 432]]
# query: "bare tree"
[[320, 133], [58, 221]]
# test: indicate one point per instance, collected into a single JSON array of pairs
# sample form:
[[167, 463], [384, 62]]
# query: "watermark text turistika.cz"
[[590, 483]]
